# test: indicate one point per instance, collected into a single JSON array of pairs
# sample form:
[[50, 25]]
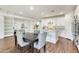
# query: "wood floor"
[[7, 45], [62, 46]]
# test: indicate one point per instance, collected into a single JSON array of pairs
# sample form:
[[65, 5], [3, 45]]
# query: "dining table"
[[32, 38]]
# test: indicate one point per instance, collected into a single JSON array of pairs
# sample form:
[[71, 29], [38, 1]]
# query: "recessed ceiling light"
[[42, 13], [20, 12], [61, 13], [31, 8]]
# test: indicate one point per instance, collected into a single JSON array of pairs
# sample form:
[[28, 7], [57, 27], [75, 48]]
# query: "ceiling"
[[37, 11]]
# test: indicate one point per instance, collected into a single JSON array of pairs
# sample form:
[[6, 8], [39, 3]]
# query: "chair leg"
[[20, 48], [38, 51], [45, 48], [32, 48]]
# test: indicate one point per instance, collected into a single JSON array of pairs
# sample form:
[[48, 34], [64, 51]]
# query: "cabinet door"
[[51, 37], [1, 27], [8, 26]]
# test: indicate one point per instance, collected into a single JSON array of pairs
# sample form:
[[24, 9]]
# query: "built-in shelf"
[[8, 26]]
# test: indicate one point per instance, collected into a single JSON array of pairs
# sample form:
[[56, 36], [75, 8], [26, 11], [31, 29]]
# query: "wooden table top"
[[31, 36]]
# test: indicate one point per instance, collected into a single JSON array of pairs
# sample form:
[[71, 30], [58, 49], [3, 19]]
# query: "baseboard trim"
[[8, 36], [65, 38]]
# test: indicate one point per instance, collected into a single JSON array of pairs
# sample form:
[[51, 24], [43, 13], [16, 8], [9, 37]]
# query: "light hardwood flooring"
[[63, 45]]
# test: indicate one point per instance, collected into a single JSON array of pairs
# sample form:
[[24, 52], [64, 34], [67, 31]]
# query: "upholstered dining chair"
[[36, 32], [20, 41], [41, 41]]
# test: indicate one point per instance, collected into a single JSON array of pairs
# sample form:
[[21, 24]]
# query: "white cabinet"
[[8, 26], [1, 27], [52, 37]]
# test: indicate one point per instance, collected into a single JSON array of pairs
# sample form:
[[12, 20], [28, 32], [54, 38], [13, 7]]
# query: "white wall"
[[1, 27], [77, 12], [67, 22]]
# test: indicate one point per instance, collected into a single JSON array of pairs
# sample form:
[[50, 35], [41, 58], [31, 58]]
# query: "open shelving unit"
[[8, 26]]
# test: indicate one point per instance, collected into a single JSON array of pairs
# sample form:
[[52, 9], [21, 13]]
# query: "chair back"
[[36, 32], [42, 39], [19, 35]]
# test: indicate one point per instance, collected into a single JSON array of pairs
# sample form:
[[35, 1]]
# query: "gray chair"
[[41, 41], [20, 41]]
